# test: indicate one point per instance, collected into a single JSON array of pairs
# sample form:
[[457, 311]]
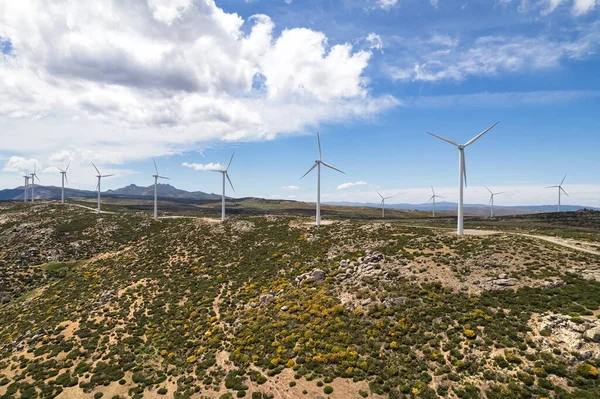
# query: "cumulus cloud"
[[350, 185], [444, 58], [199, 166], [20, 164], [291, 188], [581, 7], [374, 41], [156, 77]]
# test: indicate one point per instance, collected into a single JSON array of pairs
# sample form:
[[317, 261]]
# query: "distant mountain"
[[131, 191], [471, 209]]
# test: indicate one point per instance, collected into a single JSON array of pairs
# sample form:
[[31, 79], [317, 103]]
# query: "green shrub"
[[328, 389]]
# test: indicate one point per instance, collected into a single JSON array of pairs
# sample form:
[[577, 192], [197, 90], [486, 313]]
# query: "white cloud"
[[444, 58], [20, 164], [375, 41], [291, 188], [386, 4], [581, 7], [349, 185], [134, 79], [199, 166]]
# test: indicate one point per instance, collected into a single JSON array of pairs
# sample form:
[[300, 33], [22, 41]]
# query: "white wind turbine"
[[492, 200], [383, 203], [64, 177], [433, 197], [225, 175], [26, 187], [559, 190], [33, 177], [99, 176], [156, 177], [462, 171], [317, 165]]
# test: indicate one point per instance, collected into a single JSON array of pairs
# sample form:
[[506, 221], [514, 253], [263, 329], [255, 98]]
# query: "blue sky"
[[193, 81]]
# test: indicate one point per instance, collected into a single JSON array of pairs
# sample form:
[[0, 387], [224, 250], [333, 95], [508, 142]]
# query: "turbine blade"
[[474, 139], [331, 167], [96, 168], [430, 199], [230, 183], [67, 168], [439, 196], [488, 189], [66, 179], [443, 138], [563, 180], [314, 166], [563, 190], [214, 170], [229, 164], [319, 141], [155, 167], [433, 192], [502, 192], [59, 168], [164, 177], [464, 168], [552, 186], [36, 176], [379, 194], [107, 175]]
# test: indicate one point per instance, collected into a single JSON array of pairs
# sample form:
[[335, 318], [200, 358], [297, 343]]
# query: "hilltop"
[[120, 305]]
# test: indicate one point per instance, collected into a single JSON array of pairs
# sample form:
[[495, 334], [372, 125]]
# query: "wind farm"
[[129, 270]]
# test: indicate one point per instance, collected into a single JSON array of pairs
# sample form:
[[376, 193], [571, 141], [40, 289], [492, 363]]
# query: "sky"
[[190, 82]]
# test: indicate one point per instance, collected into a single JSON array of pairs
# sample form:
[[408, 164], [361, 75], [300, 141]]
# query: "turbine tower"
[[383, 204], [26, 187], [99, 176], [492, 200], [64, 177], [225, 175], [33, 177], [433, 197], [156, 177], [317, 165], [559, 190], [462, 171]]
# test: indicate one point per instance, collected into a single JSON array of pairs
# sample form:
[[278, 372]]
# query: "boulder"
[[593, 334]]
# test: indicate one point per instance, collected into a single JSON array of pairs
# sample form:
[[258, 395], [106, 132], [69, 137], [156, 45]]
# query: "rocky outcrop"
[[313, 276], [577, 335]]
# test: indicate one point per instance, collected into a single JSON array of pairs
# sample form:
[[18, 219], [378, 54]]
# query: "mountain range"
[[166, 191]]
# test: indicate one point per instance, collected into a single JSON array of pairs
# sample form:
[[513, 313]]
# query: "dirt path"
[[581, 246], [95, 210]]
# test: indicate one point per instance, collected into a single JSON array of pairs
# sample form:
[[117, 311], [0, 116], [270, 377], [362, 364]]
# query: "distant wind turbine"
[[433, 197], [317, 165], [26, 187], [462, 171], [225, 175], [383, 203], [64, 177], [33, 177], [156, 177], [492, 200], [559, 190], [99, 176]]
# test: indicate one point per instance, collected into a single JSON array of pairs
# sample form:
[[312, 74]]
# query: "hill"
[[263, 306]]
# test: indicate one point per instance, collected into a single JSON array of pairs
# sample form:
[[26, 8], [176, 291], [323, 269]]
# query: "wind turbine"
[[99, 176], [156, 177], [33, 177], [492, 200], [317, 165], [433, 197], [225, 175], [383, 204], [64, 177], [26, 187], [559, 190], [462, 171]]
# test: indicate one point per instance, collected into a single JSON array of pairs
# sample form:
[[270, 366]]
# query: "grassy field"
[[267, 305]]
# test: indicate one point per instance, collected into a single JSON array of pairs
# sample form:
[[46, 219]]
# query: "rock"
[[401, 300], [506, 282], [253, 305], [314, 276], [284, 308], [343, 263], [593, 334], [265, 298], [349, 271], [503, 276]]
